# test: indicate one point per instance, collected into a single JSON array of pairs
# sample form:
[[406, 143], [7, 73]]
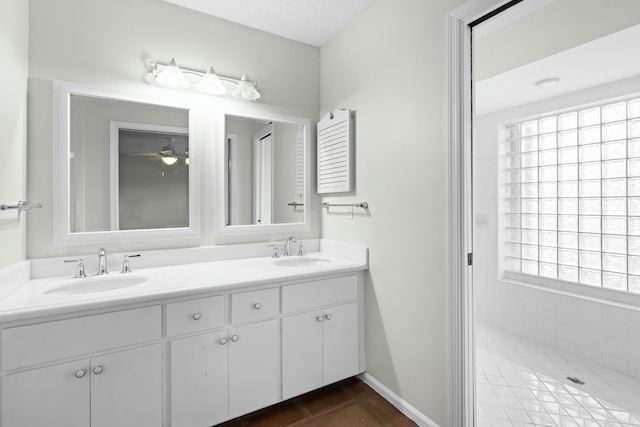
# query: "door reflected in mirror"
[[264, 171], [128, 165]]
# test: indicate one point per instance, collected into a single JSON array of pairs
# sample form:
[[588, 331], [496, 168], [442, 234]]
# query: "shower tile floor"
[[521, 383]]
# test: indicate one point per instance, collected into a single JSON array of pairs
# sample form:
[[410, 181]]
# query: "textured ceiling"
[[312, 22]]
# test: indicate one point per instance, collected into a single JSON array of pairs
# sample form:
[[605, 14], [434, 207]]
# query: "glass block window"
[[572, 196]]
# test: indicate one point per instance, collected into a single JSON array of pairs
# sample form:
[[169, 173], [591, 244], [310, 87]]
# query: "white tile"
[[534, 377], [616, 322], [496, 380], [590, 335], [517, 415], [509, 297], [546, 305], [567, 332], [617, 348], [495, 412], [541, 419], [634, 325], [546, 326], [509, 402], [497, 422], [502, 391]]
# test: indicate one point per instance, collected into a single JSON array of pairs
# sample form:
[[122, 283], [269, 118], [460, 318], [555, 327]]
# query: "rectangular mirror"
[[262, 174], [126, 168]]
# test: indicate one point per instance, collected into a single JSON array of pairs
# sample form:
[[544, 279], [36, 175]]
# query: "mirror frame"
[[61, 170], [221, 184]]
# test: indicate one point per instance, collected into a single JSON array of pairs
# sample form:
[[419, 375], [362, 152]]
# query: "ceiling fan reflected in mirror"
[[168, 154]]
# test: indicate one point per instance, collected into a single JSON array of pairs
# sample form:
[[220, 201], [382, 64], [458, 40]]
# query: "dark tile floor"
[[349, 403]]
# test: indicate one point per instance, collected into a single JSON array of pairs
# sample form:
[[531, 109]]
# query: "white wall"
[[14, 39], [561, 25], [104, 44], [388, 66]]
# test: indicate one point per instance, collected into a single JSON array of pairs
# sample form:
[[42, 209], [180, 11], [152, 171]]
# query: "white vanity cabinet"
[[194, 360], [231, 371], [319, 346], [102, 389]]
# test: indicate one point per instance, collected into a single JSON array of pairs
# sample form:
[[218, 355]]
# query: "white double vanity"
[[185, 345], [190, 337]]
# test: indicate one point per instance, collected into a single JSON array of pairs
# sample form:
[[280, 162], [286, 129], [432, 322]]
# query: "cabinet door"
[[302, 358], [126, 388], [340, 342], [199, 381], [51, 396], [252, 367]]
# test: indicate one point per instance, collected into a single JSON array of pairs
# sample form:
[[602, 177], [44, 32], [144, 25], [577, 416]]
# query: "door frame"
[[460, 204]]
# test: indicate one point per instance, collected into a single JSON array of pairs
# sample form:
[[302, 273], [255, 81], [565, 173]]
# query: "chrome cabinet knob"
[[80, 373], [327, 316], [257, 306], [197, 316], [235, 338], [222, 341], [319, 318], [98, 370]]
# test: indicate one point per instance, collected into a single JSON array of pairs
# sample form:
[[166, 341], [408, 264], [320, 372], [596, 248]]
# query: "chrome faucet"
[[126, 264], [287, 245], [79, 268], [102, 262]]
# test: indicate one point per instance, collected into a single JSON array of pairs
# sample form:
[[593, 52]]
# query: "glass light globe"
[[169, 160], [246, 90], [172, 77], [210, 83]]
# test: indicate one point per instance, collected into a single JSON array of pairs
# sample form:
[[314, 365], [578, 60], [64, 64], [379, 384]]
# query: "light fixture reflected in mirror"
[[169, 161], [172, 76]]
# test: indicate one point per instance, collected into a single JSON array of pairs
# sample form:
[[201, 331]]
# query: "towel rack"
[[21, 206], [363, 205]]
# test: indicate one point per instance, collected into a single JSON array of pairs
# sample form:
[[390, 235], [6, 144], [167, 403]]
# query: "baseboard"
[[402, 405]]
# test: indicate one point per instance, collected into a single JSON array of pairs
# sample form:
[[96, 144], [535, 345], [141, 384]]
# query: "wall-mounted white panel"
[[335, 153]]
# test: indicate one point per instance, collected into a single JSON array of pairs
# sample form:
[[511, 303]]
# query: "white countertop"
[[29, 299]]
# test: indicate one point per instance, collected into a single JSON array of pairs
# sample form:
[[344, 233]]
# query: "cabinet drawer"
[[195, 315], [29, 345], [254, 305], [319, 293]]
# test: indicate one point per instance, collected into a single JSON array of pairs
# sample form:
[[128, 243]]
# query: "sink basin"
[[301, 261], [91, 285]]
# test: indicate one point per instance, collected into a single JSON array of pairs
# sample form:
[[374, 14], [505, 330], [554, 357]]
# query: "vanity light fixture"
[[210, 83], [172, 76], [246, 90]]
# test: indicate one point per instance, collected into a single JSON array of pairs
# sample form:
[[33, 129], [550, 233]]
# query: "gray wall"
[[14, 38], [389, 66], [105, 43]]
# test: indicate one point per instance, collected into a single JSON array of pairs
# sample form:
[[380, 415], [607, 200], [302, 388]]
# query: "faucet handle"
[[275, 250], [79, 268], [300, 248], [126, 264]]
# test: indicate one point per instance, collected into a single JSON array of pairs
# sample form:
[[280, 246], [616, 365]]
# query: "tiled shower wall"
[[604, 332]]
